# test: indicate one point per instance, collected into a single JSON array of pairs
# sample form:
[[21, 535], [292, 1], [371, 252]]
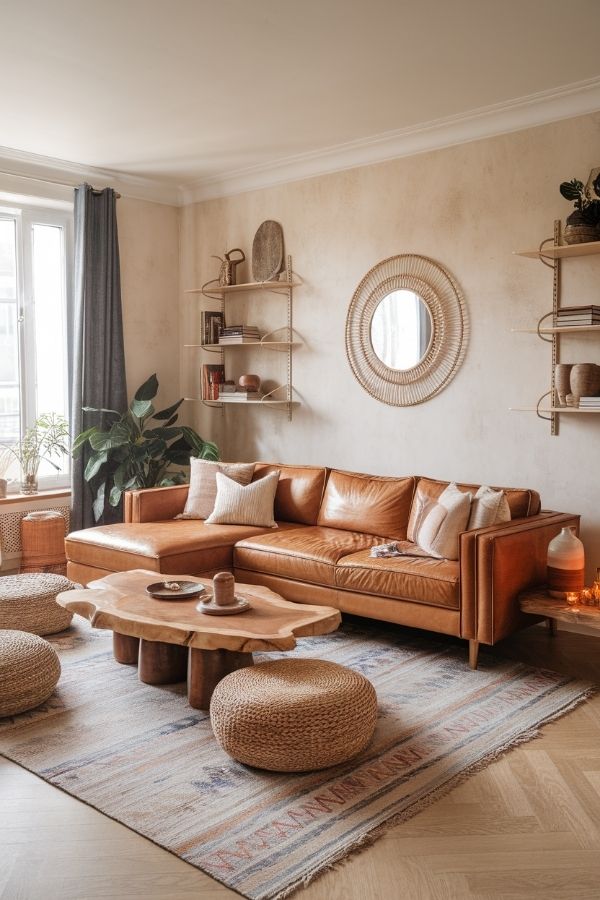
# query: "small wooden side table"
[[538, 602]]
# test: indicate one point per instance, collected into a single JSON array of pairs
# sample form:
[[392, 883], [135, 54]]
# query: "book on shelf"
[[589, 401], [239, 329], [579, 320], [212, 324], [213, 377], [241, 395], [239, 339], [592, 309]]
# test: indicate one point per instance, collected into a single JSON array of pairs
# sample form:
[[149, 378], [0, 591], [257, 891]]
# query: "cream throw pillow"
[[250, 504], [203, 484], [441, 521], [488, 507]]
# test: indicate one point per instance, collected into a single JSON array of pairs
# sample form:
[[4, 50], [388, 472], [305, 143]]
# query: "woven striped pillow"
[[250, 504]]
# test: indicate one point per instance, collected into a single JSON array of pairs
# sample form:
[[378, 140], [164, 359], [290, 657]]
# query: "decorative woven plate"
[[210, 608], [267, 251], [187, 590]]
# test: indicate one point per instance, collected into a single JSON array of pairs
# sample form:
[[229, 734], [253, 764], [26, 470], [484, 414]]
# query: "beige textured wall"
[[149, 250], [468, 207]]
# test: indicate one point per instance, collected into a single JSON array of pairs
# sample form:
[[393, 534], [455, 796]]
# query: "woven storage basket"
[[43, 542], [29, 671], [293, 715], [28, 602]]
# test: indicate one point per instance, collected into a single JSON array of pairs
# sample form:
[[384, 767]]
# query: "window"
[[35, 252]]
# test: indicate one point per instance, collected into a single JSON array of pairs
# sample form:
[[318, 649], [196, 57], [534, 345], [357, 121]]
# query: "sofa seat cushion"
[[183, 546], [304, 554], [421, 579]]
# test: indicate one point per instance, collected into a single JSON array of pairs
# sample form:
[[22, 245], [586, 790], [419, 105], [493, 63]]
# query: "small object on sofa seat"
[[29, 671], [294, 715], [397, 548], [251, 504], [28, 602]]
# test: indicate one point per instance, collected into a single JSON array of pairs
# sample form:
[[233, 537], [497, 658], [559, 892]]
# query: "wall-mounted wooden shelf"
[[552, 256], [276, 286], [564, 251]]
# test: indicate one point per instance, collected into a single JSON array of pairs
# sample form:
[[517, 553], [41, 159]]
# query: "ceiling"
[[194, 93]]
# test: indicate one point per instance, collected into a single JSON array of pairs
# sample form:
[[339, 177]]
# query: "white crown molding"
[[526, 112], [47, 170], [541, 108]]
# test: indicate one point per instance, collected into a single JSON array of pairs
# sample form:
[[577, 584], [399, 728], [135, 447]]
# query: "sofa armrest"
[[155, 504], [496, 564]]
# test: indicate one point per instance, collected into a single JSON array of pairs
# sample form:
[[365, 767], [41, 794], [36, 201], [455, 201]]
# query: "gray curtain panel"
[[97, 352]]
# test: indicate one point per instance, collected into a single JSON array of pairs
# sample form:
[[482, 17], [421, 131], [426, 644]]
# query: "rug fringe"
[[369, 839]]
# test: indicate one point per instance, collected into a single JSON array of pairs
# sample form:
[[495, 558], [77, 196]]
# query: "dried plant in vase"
[[47, 438]]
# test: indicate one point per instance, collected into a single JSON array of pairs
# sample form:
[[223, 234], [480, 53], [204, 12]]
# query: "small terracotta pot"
[[562, 382], [585, 380], [249, 382], [223, 589]]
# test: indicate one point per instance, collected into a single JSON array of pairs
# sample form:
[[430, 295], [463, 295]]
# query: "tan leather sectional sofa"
[[328, 521]]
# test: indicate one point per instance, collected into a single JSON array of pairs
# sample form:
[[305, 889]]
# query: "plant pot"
[[585, 380], [578, 230], [562, 382]]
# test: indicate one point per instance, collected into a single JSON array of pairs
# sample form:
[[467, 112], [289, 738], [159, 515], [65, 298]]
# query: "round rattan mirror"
[[406, 330]]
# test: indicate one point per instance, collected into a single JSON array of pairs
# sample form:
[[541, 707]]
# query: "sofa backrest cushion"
[[522, 502], [299, 491], [372, 504]]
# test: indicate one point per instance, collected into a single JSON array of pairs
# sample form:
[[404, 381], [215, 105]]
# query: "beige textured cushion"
[[250, 504], [203, 484], [488, 507], [439, 523]]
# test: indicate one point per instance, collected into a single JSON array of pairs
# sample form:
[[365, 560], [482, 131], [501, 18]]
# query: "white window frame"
[[25, 216]]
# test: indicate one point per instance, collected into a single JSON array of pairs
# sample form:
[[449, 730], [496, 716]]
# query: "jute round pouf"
[[28, 602], [293, 715], [29, 671]]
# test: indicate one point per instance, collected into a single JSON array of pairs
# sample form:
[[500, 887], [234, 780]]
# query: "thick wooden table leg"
[[552, 626], [205, 670], [126, 648], [162, 663]]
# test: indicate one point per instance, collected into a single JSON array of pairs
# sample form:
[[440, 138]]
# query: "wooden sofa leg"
[[473, 653]]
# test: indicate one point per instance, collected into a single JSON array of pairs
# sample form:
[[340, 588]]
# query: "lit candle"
[[572, 597], [586, 597]]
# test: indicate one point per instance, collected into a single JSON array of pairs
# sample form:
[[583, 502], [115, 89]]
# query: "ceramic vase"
[[562, 382], [565, 564], [585, 380]]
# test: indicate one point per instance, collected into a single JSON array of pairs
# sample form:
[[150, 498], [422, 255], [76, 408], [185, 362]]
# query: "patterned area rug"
[[144, 757]]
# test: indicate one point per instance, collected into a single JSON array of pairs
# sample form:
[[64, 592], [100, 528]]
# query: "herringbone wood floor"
[[528, 826]]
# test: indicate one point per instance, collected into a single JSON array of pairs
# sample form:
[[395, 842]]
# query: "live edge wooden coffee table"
[[169, 639]]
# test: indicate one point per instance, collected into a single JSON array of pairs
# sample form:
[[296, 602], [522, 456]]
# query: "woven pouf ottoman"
[[28, 602], [293, 715], [29, 671]]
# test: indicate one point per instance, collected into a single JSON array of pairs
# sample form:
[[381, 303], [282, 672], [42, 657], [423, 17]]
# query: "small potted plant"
[[584, 222], [49, 437]]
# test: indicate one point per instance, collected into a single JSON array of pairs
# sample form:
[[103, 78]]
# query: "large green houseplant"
[[134, 453]]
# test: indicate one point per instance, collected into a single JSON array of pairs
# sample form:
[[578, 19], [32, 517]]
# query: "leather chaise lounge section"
[[328, 520]]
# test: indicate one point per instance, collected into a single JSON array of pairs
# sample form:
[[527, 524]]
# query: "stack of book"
[[241, 395], [589, 403], [239, 334], [578, 315]]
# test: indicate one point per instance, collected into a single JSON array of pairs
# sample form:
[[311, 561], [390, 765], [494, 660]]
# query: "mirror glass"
[[401, 330]]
